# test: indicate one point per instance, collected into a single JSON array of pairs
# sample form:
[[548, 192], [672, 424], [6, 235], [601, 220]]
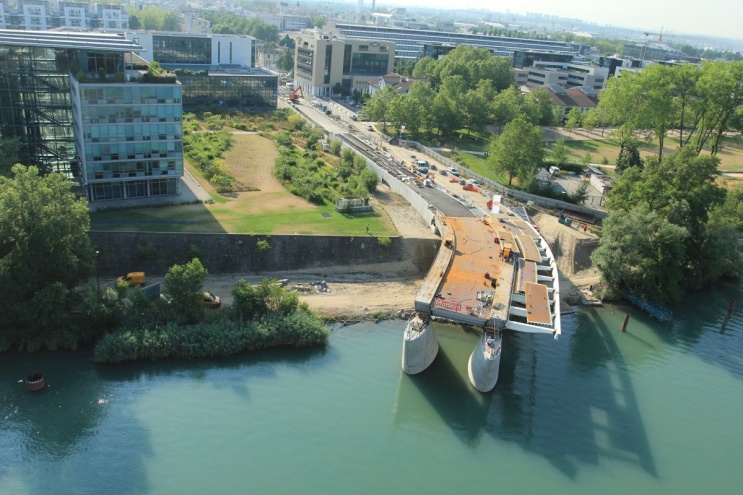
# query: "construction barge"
[[497, 273]]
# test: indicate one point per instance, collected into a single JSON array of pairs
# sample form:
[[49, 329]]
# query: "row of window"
[[130, 151], [131, 93], [142, 168], [121, 133], [134, 189]]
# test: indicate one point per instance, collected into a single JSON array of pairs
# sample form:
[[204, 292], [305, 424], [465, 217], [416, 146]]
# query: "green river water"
[[654, 410]]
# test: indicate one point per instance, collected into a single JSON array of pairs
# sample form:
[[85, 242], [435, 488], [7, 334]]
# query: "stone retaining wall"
[[154, 253]]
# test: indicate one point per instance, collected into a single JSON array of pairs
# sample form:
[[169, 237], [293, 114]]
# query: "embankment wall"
[[154, 253]]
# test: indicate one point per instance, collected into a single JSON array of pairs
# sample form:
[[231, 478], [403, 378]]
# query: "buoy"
[[730, 309], [35, 381], [626, 319]]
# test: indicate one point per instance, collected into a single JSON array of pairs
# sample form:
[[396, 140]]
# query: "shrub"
[[384, 241]]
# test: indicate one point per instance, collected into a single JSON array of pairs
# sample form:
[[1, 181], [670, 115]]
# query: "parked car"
[[453, 171], [210, 300], [474, 183], [369, 127], [134, 278]]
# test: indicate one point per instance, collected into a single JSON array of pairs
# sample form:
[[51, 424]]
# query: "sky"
[[720, 18]]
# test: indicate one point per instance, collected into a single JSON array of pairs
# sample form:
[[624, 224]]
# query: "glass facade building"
[[182, 49], [78, 107], [35, 106], [130, 135], [244, 90]]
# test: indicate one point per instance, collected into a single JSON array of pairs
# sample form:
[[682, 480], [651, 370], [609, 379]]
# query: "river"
[[654, 410]]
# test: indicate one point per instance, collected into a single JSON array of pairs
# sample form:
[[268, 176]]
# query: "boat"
[[484, 363], [419, 346]]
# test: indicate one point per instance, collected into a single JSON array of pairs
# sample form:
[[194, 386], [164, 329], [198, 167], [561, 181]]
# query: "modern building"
[[409, 43], [84, 105], [322, 61], [527, 58], [214, 69], [174, 50], [43, 15], [569, 75], [247, 89]]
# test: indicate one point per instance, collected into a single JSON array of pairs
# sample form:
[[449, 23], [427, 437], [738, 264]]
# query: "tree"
[[573, 118], [185, 285], [377, 107], [682, 193], [286, 61], [641, 252], [370, 180], [559, 152], [44, 251], [538, 107], [318, 22], [10, 153], [518, 151], [629, 156]]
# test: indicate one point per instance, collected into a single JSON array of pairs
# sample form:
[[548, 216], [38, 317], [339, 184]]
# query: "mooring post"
[[626, 319], [730, 309]]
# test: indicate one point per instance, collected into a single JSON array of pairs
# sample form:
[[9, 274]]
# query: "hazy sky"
[[722, 18]]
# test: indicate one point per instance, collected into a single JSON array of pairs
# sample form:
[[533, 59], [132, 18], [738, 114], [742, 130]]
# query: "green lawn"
[[731, 155], [322, 220]]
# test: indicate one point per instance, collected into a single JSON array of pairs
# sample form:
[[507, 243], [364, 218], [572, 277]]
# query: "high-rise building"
[[85, 105]]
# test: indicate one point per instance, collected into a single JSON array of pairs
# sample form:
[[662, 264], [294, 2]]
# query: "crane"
[[660, 35]]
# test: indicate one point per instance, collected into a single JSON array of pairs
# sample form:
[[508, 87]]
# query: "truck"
[[134, 278]]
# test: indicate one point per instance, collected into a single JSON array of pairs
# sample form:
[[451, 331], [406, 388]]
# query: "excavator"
[[294, 96]]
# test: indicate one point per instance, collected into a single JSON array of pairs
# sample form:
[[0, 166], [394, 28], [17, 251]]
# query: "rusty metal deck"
[[537, 304], [476, 253]]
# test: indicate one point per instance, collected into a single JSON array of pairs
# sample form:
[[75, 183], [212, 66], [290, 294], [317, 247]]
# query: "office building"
[[323, 61], [214, 69], [42, 15], [409, 43], [84, 105], [546, 73]]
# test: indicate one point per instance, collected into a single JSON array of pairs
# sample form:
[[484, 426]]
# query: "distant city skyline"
[[714, 18]]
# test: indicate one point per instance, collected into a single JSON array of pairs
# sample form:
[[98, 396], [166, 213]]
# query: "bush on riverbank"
[[219, 338]]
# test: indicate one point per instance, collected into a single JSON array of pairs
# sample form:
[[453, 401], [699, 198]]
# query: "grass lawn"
[[266, 207], [731, 155]]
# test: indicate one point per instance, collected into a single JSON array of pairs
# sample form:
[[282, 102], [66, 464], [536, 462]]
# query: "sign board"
[[496, 204], [450, 305]]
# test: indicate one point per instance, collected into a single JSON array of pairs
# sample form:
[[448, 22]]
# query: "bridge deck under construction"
[[474, 283]]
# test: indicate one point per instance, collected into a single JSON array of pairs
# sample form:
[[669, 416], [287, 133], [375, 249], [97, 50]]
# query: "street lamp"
[[97, 278]]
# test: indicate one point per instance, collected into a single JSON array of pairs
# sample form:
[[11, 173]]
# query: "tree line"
[[469, 88]]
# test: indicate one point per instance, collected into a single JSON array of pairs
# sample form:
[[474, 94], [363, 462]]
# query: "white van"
[[422, 166], [554, 171]]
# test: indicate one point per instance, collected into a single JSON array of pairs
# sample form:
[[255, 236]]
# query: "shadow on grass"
[[165, 218]]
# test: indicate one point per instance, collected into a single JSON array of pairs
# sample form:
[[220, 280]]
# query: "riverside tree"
[[185, 284], [44, 253], [685, 228]]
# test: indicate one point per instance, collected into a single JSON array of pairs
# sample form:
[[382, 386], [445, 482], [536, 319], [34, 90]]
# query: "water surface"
[[654, 410]]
